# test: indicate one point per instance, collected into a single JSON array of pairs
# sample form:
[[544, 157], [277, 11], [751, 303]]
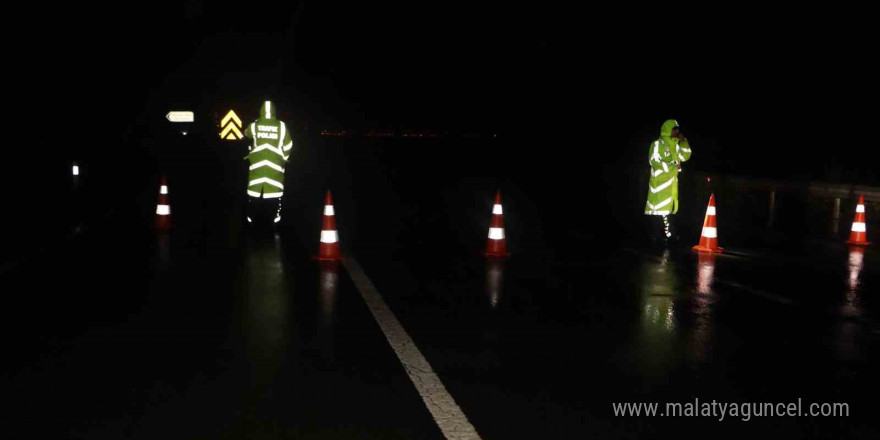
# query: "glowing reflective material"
[[266, 163], [662, 186], [180, 116], [283, 133], [272, 195], [163, 189], [660, 205], [266, 180], [231, 132], [272, 148], [231, 116], [163, 210], [329, 237], [497, 210], [496, 233], [328, 210], [710, 232], [858, 227]]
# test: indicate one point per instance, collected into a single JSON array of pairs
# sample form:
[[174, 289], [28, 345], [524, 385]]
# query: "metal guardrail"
[[843, 191], [840, 194], [817, 189]]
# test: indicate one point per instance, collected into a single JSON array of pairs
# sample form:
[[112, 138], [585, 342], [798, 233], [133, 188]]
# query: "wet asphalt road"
[[216, 331]]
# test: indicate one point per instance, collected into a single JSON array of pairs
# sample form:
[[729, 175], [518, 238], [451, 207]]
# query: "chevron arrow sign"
[[231, 127]]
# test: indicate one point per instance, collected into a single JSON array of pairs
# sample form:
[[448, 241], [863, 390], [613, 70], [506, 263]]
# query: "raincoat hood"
[[267, 111], [666, 129]]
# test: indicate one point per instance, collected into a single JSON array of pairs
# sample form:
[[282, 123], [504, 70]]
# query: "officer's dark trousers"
[[663, 228], [263, 211]]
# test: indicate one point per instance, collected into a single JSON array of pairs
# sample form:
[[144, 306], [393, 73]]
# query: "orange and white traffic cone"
[[329, 249], [163, 209], [859, 233], [496, 246], [709, 237]]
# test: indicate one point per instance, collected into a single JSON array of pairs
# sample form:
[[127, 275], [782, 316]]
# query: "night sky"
[[780, 94]]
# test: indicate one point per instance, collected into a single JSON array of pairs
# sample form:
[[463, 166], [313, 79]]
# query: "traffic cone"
[[709, 237], [496, 246], [329, 249], [163, 209], [858, 234]]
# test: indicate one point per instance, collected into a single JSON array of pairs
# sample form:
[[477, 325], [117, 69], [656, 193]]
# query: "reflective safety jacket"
[[268, 153], [665, 155]]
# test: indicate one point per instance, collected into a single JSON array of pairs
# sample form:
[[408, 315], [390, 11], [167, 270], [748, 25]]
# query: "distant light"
[[183, 132], [76, 170], [277, 219], [249, 219], [708, 179], [494, 135]]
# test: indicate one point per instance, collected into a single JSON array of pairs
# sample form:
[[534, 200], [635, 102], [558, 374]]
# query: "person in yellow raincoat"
[[665, 156]]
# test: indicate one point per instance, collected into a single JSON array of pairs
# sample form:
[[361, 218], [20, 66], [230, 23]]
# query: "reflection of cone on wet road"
[[327, 299], [705, 272], [709, 237], [496, 246], [494, 280], [163, 209], [328, 285], [329, 249], [859, 233]]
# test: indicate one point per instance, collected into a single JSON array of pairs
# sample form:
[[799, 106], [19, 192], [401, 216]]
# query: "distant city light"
[[400, 133]]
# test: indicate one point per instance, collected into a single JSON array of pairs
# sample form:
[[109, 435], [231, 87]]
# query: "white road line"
[[447, 414]]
